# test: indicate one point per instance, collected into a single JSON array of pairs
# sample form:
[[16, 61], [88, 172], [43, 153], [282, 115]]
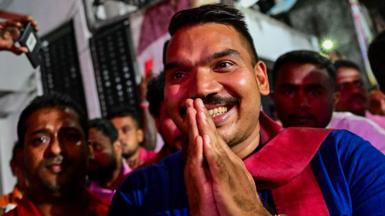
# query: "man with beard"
[[130, 135], [52, 131], [107, 168], [353, 95], [236, 160], [304, 95]]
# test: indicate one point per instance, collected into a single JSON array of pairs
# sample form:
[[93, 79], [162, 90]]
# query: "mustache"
[[214, 100], [58, 159]]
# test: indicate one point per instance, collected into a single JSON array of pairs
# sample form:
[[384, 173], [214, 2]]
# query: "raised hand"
[[233, 189], [10, 33], [197, 177]]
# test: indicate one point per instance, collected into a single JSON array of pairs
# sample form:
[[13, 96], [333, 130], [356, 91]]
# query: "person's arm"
[[364, 168], [149, 127]]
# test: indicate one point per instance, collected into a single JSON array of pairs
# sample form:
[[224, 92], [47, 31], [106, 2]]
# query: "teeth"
[[217, 111]]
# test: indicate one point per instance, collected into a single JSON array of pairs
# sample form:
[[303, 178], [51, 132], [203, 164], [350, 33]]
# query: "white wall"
[[273, 38]]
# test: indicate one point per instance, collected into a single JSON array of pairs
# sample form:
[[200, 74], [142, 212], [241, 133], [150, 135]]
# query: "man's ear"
[[140, 135], [260, 72]]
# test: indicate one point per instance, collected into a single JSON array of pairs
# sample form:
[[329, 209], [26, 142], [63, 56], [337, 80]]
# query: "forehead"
[[347, 74], [122, 120], [94, 133], [192, 43], [297, 73], [48, 117]]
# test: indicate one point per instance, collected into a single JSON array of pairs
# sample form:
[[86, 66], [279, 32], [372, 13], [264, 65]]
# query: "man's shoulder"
[[24, 207], [346, 120], [165, 169], [153, 189], [348, 146], [97, 206]]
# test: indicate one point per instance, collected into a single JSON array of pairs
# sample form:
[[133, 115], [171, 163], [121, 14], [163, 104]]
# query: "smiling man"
[[52, 131], [236, 160]]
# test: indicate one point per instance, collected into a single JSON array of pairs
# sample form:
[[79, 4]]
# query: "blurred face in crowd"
[[55, 152], [303, 95], [213, 62], [104, 161], [353, 96], [130, 135], [167, 128]]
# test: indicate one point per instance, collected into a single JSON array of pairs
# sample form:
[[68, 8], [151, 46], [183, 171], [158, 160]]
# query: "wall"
[[273, 38]]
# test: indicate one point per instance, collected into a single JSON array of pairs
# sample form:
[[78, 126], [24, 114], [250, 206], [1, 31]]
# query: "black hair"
[[125, 111], [376, 55], [304, 57], [104, 126], [165, 51], [346, 63], [155, 94], [213, 13], [51, 100]]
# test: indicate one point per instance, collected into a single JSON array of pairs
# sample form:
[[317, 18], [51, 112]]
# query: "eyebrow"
[[40, 131], [220, 54]]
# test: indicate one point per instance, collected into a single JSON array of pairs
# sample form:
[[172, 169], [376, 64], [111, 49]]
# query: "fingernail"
[[200, 103]]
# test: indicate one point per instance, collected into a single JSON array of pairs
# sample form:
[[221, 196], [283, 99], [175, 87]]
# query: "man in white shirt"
[[353, 97]]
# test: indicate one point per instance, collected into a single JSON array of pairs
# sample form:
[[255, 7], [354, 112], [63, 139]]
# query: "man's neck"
[[134, 160], [247, 146]]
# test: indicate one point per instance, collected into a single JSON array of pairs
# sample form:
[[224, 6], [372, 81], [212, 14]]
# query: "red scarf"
[[283, 166], [96, 207]]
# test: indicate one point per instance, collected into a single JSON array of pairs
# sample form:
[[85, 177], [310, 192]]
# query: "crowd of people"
[[222, 155]]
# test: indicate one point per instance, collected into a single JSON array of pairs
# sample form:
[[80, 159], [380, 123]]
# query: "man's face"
[[55, 152], [167, 128], [212, 61], [130, 136], [303, 95], [353, 96], [104, 160]]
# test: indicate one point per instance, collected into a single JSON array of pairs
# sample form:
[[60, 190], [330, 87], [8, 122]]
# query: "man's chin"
[[302, 123]]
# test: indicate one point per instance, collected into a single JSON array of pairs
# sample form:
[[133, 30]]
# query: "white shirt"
[[361, 126]]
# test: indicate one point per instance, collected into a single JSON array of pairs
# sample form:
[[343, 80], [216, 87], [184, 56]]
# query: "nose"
[[302, 99], [54, 147], [205, 82]]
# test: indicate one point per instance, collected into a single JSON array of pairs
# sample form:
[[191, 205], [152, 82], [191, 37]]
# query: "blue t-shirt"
[[350, 172]]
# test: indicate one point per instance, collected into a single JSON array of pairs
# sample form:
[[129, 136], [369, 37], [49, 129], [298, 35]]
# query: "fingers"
[[33, 22], [197, 179], [18, 50]]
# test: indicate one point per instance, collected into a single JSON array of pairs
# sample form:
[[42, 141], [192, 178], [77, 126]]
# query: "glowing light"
[[328, 45]]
